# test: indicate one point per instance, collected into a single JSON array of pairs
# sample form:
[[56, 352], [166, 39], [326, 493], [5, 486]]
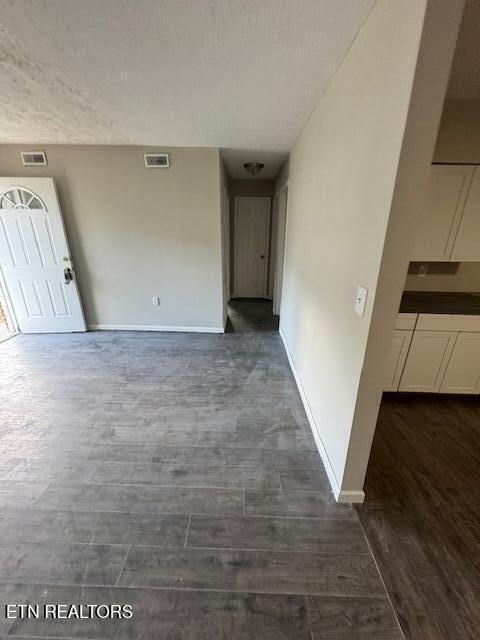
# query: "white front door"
[[252, 216], [35, 259]]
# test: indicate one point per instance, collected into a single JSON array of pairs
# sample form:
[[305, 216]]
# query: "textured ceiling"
[[240, 74], [465, 76]]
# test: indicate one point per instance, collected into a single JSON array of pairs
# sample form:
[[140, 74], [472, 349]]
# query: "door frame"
[[280, 243], [226, 259], [267, 243]]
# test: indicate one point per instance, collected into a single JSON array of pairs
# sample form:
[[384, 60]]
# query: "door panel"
[[43, 240], [33, 255], [427, 360], [252, 216], [31, 299], [441, 211], [463, 371], [398, 355], [56, 291], [467, 242]]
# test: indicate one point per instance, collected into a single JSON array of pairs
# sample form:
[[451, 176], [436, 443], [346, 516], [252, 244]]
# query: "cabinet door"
[[441, 211], [398, 355], [467, 242], [463, 370], [427, 360]]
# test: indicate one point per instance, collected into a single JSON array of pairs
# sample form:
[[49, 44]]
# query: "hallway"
[[251, 316], [176, 473]]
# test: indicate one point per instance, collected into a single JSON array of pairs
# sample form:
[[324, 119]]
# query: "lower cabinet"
[[427, 360], [398, 355], [463, 370], [435, 353]]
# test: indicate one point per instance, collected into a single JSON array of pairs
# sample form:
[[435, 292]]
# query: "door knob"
[[68, 275], [262, 257]]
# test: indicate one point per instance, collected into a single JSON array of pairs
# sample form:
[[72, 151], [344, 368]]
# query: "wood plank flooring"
[[176, 473], [422, 512]]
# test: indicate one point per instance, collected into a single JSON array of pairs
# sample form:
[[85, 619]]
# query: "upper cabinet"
[[444, 205], [467, 243]]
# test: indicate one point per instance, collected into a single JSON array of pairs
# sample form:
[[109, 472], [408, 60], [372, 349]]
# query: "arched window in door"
[[20, 198]]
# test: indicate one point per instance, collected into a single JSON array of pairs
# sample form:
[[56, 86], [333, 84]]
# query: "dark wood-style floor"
[[176, 473], [422, 512]]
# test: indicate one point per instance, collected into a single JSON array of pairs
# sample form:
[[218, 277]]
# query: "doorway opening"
[[257, 249]]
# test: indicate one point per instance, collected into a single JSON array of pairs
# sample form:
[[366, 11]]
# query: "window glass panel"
[[24, 196], [35, 203]]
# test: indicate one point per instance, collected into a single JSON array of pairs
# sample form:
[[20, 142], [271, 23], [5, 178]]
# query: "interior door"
[[35, 259], [251, 229]]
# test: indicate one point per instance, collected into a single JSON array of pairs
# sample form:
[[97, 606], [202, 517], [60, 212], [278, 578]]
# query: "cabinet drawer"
[[447, 322]]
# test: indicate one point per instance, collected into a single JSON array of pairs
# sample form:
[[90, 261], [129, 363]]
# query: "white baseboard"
[[340, 496], [351, 496], [152, 327]]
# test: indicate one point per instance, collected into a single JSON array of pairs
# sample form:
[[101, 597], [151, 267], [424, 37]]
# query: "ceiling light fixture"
[[253, 167]]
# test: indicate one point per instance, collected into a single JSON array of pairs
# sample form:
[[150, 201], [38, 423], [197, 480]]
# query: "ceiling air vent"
[[30, 158], [156, 160]]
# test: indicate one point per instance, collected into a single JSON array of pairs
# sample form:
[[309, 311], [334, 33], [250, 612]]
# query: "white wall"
[[137, 233], [431, 78], [343, 172]]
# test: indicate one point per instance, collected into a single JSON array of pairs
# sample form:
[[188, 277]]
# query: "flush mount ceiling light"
[[253, 167]]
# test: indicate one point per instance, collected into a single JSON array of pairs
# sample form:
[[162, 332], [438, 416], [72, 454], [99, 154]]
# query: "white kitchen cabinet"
[[441, 210], [398, 355], [467, 242], [463, 371], [427, 360]]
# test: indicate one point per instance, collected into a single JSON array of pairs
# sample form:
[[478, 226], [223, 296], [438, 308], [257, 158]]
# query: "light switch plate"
[[361, 300]]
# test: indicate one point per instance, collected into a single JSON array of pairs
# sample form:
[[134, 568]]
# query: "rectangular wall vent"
[[156, 160], [30, 158]]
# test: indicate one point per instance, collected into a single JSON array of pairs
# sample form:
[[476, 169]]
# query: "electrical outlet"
[[156, 301], [422, 270]]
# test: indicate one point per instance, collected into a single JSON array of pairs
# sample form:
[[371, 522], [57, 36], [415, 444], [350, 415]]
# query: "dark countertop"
[[465, 304]]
